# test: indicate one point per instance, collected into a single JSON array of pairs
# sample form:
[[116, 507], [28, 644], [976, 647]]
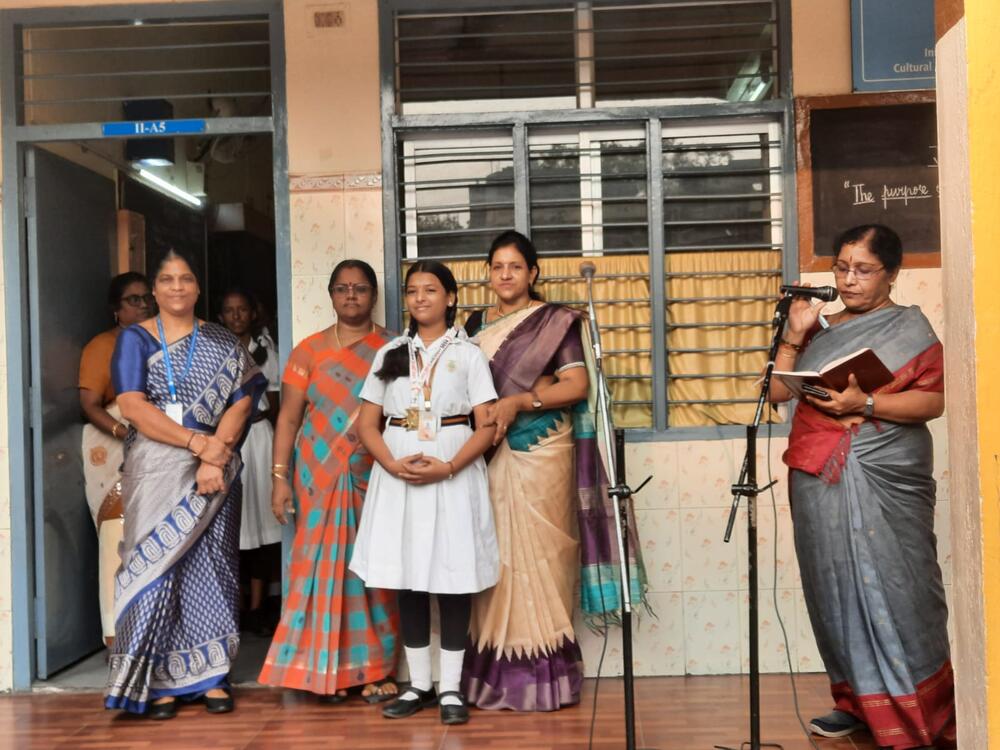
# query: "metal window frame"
[[780, 110], [15, 140]]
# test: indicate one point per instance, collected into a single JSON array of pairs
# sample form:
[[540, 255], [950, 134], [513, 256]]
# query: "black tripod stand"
[[747, 487]]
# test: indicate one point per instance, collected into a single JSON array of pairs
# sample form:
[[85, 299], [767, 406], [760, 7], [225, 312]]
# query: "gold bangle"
[[279, 475], [451, 465], [114, 430], [278, 466]]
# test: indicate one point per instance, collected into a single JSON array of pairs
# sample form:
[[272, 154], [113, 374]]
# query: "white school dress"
[[435, 537], [258, 526]]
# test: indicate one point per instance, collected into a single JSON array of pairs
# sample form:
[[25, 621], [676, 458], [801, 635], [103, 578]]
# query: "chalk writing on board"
[[861, 195]]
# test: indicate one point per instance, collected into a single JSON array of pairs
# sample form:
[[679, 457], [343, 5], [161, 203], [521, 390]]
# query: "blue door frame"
[[15, 139]]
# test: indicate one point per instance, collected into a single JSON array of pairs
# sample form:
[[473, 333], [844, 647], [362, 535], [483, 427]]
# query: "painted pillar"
[[968, 68]]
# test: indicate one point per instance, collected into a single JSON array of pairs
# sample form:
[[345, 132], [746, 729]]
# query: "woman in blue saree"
[[862, 497], [188, 388]]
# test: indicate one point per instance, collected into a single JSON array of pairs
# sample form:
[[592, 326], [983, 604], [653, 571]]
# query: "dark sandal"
[[377, 696], [334, 698], [450, 713], [400, 708], [220, 705], [161, 711]]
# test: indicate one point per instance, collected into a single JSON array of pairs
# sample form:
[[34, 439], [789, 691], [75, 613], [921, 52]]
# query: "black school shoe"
[[836, 724], [220, 705], [161, 711], [450, 713], [400, 708]]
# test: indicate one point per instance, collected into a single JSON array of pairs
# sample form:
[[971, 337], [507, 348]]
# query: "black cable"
[[774, 591]]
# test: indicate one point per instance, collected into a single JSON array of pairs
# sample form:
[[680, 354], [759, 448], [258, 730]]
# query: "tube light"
[[170, 188]]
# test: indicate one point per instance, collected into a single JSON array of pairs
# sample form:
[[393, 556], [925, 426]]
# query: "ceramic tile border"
[[323, 183]]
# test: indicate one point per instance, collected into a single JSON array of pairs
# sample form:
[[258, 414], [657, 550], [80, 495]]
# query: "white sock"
[[419, 661], [451, 676]]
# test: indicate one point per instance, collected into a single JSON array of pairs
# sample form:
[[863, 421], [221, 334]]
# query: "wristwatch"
[[536, 403], [869, 406]]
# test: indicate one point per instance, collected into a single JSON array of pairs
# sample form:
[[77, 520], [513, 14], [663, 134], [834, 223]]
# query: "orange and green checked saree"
[[334, 633]]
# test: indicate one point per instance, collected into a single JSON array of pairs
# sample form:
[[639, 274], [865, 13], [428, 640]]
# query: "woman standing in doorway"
[[334, 633], [188, 388], [260, 533], [130, 302], [545, 481]]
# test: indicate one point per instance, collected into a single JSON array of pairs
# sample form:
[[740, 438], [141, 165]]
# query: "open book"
[[870, 371]]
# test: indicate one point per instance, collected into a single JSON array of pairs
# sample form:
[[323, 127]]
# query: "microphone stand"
[[621, 495], [747, 486]]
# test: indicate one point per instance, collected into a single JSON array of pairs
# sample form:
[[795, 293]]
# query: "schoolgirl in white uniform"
[[427, 525]]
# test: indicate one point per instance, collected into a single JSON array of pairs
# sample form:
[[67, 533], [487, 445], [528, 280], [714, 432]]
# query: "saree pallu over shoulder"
[[177, 589], [903, 339], [524, 654]]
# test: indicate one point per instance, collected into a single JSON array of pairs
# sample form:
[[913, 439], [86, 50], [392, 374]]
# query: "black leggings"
[[455, 611]]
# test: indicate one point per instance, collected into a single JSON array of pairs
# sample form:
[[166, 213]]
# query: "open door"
[[70, 214]]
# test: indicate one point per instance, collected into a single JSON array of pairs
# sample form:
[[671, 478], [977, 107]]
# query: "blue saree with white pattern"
[[176, 592]]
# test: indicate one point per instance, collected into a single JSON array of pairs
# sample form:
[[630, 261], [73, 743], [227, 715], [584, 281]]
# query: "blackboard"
[[875, 164]]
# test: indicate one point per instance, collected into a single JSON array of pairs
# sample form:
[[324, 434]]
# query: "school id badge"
[[427, 425], [175, 410]]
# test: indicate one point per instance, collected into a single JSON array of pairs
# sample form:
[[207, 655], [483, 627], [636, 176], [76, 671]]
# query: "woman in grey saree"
[[187, 388], [862, 499]]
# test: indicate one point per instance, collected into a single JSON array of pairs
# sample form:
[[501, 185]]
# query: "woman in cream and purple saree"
[[862, 498], [187, 388], [546, 486]]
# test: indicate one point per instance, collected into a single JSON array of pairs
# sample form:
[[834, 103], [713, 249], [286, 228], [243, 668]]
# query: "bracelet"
[[193, 451], [114, 430], [451, 466], [187, 445], [796, 347], [278, 466], [279, 475]]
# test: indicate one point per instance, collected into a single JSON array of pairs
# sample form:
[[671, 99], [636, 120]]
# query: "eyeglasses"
[[861, 273], [139, 300], [358, 289]]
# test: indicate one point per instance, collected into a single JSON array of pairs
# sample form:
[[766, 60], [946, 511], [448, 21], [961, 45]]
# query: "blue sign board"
[[139, 128], [892, 44]]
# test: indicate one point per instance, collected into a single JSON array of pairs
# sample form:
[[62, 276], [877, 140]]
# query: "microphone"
[[825, 293], [587, 269]]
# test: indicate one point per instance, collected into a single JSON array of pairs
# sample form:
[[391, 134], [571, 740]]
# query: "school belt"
[[445, 421]]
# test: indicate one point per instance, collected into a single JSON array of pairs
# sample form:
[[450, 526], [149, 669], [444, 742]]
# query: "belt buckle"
[[412, 419]]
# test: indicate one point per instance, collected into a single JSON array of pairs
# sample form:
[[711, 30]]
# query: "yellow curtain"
[[723, 383], [625, 301]]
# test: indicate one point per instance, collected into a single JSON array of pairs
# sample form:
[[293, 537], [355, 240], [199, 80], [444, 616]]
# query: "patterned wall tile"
[[659, 638], [660, 537], [658, 460], [318, 236], [705, 473], [311, 307], [591, 644], [711, 632], [788, 564], [771, 646], [363, 218], [708, 563]]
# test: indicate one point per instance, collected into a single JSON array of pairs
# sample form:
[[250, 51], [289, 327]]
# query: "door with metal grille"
[[69, 214]]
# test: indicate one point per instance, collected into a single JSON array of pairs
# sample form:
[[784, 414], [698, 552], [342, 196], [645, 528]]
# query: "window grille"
[[84, 73], [684, 210], [569, 55]]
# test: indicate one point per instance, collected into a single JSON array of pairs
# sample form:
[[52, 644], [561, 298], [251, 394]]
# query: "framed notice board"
[[863, 159]]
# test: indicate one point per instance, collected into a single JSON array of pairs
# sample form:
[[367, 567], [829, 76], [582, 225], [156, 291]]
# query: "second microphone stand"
[[747, 487], [621, 495]]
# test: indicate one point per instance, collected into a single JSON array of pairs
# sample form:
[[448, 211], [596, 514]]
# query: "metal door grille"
[[204, 68]]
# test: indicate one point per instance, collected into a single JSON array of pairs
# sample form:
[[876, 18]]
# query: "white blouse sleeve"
[[374, 388], [481, 388]]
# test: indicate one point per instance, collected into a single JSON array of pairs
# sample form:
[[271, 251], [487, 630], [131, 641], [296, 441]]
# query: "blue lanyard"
[[171, 384]]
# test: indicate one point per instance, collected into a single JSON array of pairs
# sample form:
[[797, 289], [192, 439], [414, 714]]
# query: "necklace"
[[501, 314], [336, 333]]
